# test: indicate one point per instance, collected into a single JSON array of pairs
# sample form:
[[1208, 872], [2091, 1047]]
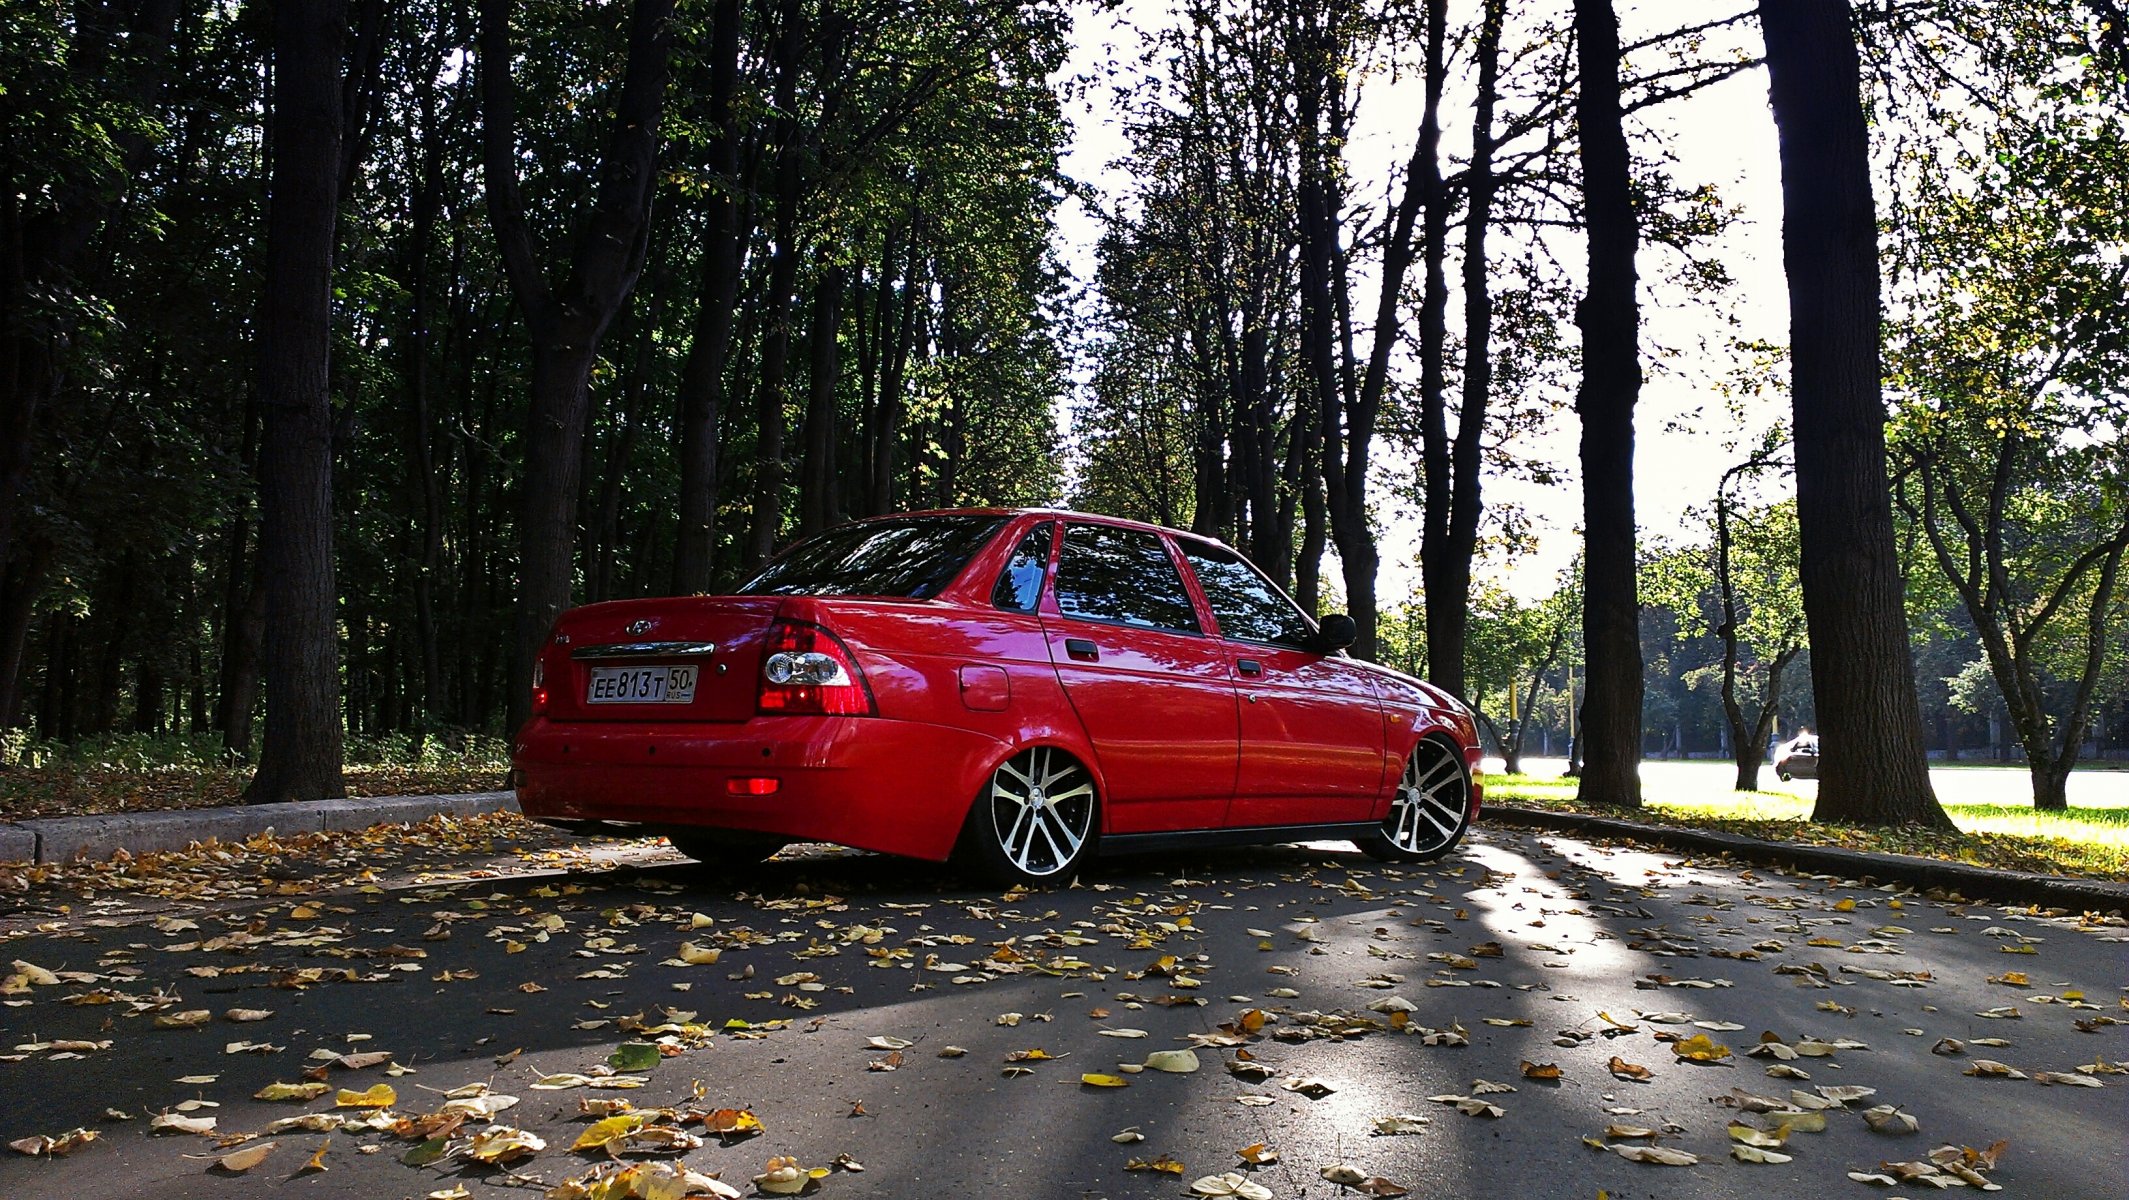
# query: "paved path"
[[1684, 779], [503, 955]]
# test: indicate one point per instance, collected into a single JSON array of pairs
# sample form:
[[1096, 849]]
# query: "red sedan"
[[1017, 690]]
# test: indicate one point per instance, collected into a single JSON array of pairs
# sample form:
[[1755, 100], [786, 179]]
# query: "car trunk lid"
[[688, 658]]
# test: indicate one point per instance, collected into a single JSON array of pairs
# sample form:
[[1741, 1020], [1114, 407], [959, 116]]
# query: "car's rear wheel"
[[1431, 810], [1034, 820], [726, 847]]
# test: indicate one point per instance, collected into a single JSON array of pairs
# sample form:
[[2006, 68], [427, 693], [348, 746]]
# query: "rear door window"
[[1247, 605], [1019, 587], [1107, 573], [911, 558]]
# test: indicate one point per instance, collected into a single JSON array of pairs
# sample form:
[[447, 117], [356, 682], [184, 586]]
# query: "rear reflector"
[[753, 785]]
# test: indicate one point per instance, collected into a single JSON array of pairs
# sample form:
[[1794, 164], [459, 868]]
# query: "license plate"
[[642, 685]]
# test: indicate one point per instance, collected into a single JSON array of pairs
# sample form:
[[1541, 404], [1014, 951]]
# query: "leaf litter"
[[1164, 925]]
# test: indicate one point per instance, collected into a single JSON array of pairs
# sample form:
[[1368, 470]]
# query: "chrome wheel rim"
[[1042, 810], [1428, 810]]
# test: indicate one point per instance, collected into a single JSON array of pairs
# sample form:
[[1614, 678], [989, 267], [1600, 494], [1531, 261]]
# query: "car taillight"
[[539, 683], [808, 670]]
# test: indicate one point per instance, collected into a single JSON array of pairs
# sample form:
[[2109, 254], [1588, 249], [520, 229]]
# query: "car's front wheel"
[[1034, 821], [1431, 810]]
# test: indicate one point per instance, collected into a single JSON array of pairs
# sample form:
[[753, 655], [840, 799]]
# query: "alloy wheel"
[[1428, 814], [1041, 804]]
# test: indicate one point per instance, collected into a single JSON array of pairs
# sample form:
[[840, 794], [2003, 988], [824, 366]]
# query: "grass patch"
[[2087, 841], [156, 774]]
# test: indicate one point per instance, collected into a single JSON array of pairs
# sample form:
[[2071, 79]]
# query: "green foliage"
[[928, 136], [2008, 356]]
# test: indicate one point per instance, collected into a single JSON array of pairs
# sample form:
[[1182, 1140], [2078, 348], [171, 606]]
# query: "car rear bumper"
[[898, 787]]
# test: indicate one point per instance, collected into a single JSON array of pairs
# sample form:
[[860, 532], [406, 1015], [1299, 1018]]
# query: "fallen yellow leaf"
[[376, 1096]]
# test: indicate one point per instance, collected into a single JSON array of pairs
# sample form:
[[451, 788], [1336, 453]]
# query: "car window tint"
[[912, 558], [1246, 604], [1110, 574], [1020, 584]]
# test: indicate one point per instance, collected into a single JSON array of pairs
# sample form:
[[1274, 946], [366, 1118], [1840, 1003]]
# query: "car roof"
[[1038, 511]]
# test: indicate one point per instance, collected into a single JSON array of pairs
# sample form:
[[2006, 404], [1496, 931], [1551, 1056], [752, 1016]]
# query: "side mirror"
[[1334, 632]]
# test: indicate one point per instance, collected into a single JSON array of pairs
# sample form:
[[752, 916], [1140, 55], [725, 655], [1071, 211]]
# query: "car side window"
[[1107, 573], [1247, 604], [1019, 586]]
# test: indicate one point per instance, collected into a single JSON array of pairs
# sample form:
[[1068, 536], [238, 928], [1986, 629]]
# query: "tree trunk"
[[21, 584], [565, 320], [563, 354], [818, 503], [1874, 770], [766, 526], [893, 366], [424, 480], [1450, 537], [1610, 320], [300, 756], [1445, 664], [702, 379]]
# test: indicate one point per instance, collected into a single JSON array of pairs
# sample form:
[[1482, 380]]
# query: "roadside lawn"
[[144, 774], [2086, 840]]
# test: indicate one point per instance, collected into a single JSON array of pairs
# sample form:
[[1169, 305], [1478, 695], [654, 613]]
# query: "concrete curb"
[[1971, 882], [65, 839]]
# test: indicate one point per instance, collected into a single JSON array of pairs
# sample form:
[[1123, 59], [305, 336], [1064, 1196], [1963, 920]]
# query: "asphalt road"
[[1697, 778], [502, 961]]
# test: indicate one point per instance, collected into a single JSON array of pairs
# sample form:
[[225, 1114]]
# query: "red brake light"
[[807, 670], [539, 681]]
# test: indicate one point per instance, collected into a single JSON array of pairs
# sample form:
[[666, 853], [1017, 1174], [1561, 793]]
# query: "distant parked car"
[[1022, 687], [1797, 758]]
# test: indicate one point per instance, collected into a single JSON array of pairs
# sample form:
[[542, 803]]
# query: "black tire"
[[1431, 810], [1034, 822], [726, 847], [1784, 776]]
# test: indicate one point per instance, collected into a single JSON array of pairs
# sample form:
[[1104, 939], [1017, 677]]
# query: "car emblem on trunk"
[[640, 626]]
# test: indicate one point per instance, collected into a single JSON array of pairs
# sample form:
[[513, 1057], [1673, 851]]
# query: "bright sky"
[[1723, 135]]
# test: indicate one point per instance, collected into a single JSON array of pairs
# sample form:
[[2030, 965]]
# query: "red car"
[[1015, 689]]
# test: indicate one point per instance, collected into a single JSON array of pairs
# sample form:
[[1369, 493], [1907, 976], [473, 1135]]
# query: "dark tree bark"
[[1610, 320], [818, 503], [1347, 405], [893, 366], [702, 378], [1454, 504], [567, 318], [424, 480], [300, 756], [1434, 335], [768, 516], [1862, 673], [21, 582]]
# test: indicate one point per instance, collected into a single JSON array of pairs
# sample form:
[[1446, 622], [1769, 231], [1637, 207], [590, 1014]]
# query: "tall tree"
[[2009, 444], [702, 382], [1610, 320], [1449, 538], [301, 754], [566, 318], [1870, 725], [1348, 393]]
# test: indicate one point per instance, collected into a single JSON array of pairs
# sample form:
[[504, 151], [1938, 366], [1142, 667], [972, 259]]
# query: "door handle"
[[1249, 666], [1081, 648]]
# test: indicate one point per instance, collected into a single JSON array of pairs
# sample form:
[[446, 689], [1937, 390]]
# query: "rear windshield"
[[912, 558]]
